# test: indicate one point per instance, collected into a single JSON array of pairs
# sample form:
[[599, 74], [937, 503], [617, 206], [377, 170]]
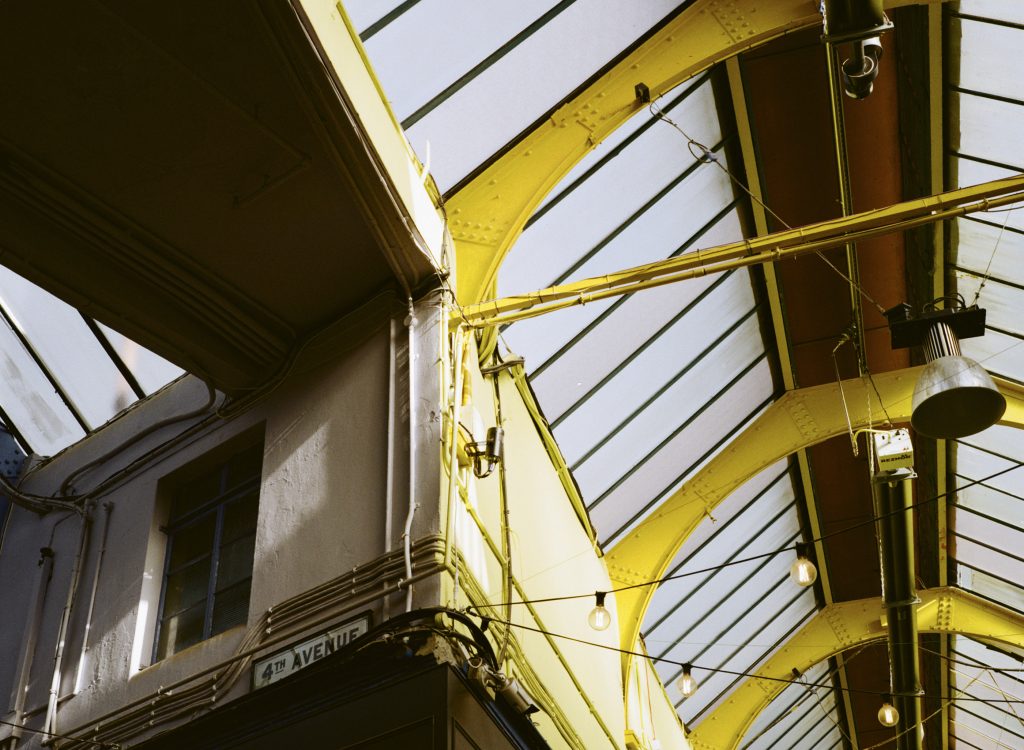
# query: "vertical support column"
[[892, 495]]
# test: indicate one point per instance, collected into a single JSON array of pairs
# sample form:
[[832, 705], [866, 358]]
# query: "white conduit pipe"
[[25, 668], [453, 460], [389, 489], [108, 508], [50, 725], [410, 322]]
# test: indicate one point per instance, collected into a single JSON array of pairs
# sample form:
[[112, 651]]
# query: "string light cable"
[[470, 609], [720, 670]]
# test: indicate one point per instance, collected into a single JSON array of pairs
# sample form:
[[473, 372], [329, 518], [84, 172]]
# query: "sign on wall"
[[279, 665]]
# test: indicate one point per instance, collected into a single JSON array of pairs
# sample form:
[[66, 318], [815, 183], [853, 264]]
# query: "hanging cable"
[[988, 267], [720, 670], [707, 156], [784, 550]]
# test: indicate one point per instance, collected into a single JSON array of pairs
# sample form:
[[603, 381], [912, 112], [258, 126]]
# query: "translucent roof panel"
[[985, 677], [64, 374], [491, 69], [989, 522], [731, 618], [802, 717]]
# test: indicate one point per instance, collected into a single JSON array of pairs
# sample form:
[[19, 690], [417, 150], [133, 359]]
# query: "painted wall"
[[579, 686], [323, 513]]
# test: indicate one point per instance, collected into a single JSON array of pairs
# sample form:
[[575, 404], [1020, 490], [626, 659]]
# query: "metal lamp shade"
[[955, 397]]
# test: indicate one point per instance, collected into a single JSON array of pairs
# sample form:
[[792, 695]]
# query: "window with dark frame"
[[211, 535]]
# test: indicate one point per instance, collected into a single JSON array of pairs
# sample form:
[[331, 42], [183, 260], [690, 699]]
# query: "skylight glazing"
[[489, 70], [985, 677], [989, 523], [64, 374]]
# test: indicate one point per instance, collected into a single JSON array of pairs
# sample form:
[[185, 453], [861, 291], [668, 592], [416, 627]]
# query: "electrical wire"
[[97, 743], [720, 670], [752, 558], [707, 156], [988, 268]]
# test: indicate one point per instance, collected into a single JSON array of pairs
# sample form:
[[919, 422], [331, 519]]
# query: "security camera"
[[861, 70], [516, 697]]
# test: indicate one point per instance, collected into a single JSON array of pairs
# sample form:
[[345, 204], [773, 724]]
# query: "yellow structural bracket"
[[487, 214], [798, 419], [842, 626]]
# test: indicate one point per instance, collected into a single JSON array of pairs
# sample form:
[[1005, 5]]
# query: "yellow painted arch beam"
[[837, 628], [800, 418], [487, 214]]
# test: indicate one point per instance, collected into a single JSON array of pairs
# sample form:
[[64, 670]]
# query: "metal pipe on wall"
[[893, 507], [27, 655], [108, 508], [50, 725]]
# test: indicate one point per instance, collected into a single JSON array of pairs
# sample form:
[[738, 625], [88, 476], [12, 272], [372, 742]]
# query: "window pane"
[[231, 607], [240, 518], [191, 542], [187, 587], [181, 631], [197, 493], [244, 467], [235, 561]]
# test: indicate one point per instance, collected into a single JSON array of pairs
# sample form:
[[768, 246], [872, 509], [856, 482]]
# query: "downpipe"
[[410, 322], [25, 668], [50, 725], [893, 508]]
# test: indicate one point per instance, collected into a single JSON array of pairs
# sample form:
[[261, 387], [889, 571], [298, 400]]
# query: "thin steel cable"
[[988, 268], [707, 156]]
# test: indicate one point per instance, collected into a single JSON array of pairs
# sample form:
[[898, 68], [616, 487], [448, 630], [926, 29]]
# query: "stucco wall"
[[322, 512]]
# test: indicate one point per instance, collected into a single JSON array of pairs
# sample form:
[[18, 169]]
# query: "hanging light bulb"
[[888, 716], [599, 617], [686, 684], [803, 572]]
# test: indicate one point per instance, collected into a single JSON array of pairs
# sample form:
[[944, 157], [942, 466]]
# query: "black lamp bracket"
[[906, 331]]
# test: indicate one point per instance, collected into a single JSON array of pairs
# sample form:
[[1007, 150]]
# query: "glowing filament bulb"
[[599, 617], [888, 716], [686, 684], [803, 572]]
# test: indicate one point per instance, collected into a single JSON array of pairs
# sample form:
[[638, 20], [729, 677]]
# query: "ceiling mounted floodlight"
[[955, 396], [860, 22]]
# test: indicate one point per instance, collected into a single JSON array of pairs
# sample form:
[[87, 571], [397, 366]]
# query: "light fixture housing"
[[686, 683], [954, 397], [599, 617], [803, 571]]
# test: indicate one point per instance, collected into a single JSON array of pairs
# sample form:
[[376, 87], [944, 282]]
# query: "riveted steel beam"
[[842, 626], [487, 213], [789, 243], [798, 419]]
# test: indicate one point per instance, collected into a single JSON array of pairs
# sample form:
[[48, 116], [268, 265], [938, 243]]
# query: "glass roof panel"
[[989, 129], [986, 48], [151, 371], [70, 351], [1008, 11], [63, 372], [989, 521], [987, 720], [985, 245], [30, 402], [802, 717], [471, 107]]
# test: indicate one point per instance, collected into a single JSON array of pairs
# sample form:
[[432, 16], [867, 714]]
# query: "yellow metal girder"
[[800, 418], [789, 243], [487, 214], [842, 626]]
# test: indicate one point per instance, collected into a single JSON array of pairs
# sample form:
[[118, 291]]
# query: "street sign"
[[272, 668]]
